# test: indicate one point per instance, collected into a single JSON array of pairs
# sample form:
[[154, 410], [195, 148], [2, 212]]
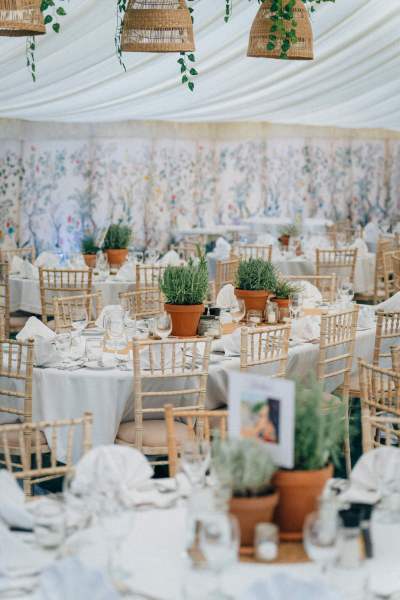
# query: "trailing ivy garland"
[[188, 71], [121, 9], [51, 10]]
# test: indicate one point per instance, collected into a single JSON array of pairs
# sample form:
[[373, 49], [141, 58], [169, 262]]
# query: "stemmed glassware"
[[163, 326], [79, 318], [195, 460], [238, 310], [346, 291], [116, 338]]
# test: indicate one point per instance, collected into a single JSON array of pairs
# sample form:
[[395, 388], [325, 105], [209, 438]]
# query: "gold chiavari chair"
[[387, 335], [12, 323], [388, 274], [59, 283], [27, 440], [341, 231], [16, 367], [200, 423], [340, 262], [174, 369], [327, 284], [64, 306], [396, 271], [265, 346], [27, 252], [2, 324], [395, 353], [380, 431], [379, 293], [189, 248], [335, 361], [149, 276], [246, 251], [225, 272], [380, 398], [142, 304]]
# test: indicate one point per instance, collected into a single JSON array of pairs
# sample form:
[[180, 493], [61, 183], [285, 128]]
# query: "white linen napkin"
[[372, 233], [70, 579], [45, 354], [126, 272], [392, 303], [311, 294], [111, 472], [48, 260], [222, 250], [366, 318], [226, 297], [282, 586], [231, 343], [361, 246], [376, 472], [12, 503], [29, 271], [306, 329], [34, 328], [17, 265], [170, 258]]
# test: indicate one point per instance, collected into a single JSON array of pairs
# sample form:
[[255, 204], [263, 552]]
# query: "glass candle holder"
[[266, 541]]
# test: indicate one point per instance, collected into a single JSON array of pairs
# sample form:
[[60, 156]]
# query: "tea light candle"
[[266, 541], [267, 551]]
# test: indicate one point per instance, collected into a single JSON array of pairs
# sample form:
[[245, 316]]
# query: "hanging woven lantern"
[[21, 17], [157, 26], [261, 28]]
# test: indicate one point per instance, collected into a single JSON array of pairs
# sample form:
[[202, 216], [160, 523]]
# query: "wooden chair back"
[[246, 251], [327, 284], [265, 346], [2, 324], [64, 306], [388, 274], [62, 282], [387, 335], [149, 276], [27, 252], [396, 271], [188, 248], [16, 367], [395, 353], [29, 445], [378, 431], [225, 272], [200, 423], [5, 296], [179, 370], [340, 262], [143, 303]]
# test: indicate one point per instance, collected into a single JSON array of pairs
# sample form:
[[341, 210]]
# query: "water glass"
[[115, 334], [163, 326], [238, 310], [346, 292], [79, 318], [63, 345], [320, 541], [130, 326], [195, 461], [94, 350]]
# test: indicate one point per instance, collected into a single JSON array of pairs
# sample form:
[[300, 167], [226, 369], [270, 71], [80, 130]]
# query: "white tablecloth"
[[25, 293]]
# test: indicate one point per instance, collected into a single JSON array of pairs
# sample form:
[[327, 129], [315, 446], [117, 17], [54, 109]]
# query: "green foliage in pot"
[[256, 274], [186, 285], [245, 465], [117, 237], [285, 289], [319, 428], [289, 230], [88, 245]]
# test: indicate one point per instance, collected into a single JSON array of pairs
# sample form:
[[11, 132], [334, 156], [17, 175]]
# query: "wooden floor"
[[289, 552]]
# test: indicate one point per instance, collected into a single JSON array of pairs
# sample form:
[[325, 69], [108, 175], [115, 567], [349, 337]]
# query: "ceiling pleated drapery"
[[354, 81]]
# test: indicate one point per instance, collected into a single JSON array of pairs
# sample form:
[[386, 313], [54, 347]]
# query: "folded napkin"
[[361, 247], [170, 258], [377, 472], [48, 260], [112, 473], [306, 329], [230, 344], [29, 271], [45, 352], [282, 586], [70, 579], [12, 503], [372, 233], [366, 317], [126, 272], [226, 297], [16, 266], [222, 250], [392, 303], [311, 294], [107, 311]]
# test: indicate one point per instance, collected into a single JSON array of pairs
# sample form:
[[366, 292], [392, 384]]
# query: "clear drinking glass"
[[94, 350], [116, 336], [346, 291], [320, 541], [63, 346], [79, 318], [238, 310], [163, 325], [195, 461]]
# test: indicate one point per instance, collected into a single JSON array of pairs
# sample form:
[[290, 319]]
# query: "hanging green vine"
[[121, 9], [186, 60], [228, 10], [51, 10]]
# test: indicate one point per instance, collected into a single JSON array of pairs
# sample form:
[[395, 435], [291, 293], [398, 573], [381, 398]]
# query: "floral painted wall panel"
[[287, 177], [11, 176], [369, 180]]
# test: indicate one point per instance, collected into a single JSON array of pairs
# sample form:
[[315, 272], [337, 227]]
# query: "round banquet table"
[[25, 293]]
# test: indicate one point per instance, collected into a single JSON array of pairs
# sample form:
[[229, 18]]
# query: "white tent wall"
[[56, 180]]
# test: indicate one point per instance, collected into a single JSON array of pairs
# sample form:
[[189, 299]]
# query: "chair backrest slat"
[[55, 283], [149, 276], [340, 262], [142, 303], [265, 346], [64, 306], [225, 272], [246, 251], [5, 296]]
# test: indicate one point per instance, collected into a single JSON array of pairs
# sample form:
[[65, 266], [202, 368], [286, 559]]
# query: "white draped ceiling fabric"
[[354, 82]]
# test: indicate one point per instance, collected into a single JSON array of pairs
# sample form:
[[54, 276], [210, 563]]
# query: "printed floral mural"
[[51, 191]]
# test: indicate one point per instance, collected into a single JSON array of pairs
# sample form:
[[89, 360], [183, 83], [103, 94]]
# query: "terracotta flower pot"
[[185, 318], [250, 511], [116, 258], [298, 494], [283, 305], [253, 299], [284, 240], [90, 260]]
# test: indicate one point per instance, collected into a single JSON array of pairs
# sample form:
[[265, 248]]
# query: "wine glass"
[[163, 325], [295, 306], [219, 542], [195, 460], [320, 541], [238, 310], [346, 292], [79, 318]]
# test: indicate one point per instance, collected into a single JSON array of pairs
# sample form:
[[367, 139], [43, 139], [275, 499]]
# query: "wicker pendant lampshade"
[[157, 26], [260, 30], [21, 18]]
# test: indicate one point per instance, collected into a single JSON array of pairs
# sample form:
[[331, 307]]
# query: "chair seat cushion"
[[154, 434], [17, 323]]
